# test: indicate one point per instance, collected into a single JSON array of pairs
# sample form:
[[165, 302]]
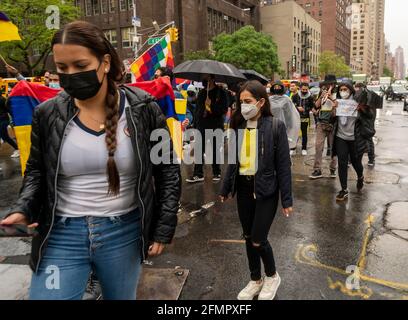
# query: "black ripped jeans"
[[256, 218], [346, 150]]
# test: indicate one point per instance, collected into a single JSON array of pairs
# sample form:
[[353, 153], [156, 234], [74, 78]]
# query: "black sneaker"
[[333, 174], [371, 163], [360, 184], [195, 179], [343, 195], [317, 174], [217, 177]]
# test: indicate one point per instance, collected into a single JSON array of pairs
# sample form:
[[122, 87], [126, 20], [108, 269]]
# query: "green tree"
[[387, 72], [199, 55], [31, 18], [331, 63], [248, 49]]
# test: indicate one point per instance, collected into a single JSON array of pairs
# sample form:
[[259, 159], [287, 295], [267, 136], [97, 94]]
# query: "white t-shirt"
[[82, 180]]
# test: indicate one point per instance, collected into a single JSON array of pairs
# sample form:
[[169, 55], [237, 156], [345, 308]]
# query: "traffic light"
[[174, 34]]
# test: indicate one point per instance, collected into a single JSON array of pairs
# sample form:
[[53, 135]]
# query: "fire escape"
[[306, 46]]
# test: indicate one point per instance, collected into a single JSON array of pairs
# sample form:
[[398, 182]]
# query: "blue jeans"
[[112, 247]]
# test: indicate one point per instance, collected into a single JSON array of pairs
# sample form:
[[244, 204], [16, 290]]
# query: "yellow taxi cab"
[[6, 84]]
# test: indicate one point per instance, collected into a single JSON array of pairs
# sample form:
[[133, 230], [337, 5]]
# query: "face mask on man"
[[81, 85], [249, 111], [55, 85]]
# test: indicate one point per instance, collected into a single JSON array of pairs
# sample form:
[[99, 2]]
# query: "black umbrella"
[[195, 69], [253, 75]]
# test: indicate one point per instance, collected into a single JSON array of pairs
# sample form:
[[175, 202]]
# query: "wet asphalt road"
[[313, 247]]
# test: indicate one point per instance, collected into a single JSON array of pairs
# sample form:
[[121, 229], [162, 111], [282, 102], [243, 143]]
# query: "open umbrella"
[[195, 69], [253, 75]]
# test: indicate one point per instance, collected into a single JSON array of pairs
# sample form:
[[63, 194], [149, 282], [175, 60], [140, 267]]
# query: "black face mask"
[[81, 85]]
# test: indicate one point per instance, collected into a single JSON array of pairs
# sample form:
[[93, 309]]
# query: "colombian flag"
[[9, 30], [26, 96]]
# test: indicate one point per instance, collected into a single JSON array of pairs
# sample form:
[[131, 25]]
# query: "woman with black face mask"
[[90, 188]]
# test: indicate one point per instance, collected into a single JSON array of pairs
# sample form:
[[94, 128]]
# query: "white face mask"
[[344, 94], [249, 111]]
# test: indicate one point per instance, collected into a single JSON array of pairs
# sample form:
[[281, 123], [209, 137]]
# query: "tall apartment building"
[[388, 56], [363, 37], [368, 38], [400, 67], [333, 16], [379, 38], [297, 35]]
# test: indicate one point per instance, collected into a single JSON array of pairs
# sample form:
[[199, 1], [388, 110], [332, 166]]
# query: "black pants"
[[256, 218], [347, 150], [371, 150], [4, 134], [199, 168], [304, 126]]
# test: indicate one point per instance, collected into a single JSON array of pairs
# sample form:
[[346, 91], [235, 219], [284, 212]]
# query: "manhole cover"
[[161, 284]]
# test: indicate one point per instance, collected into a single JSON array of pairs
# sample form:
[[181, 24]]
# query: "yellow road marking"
[[362, 261], [302, 257], [363, 292]]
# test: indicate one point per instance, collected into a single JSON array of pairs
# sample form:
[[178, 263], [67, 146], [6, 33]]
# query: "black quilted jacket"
[[158, 188]]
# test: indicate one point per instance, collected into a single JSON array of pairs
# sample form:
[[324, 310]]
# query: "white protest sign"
[[347, 108]]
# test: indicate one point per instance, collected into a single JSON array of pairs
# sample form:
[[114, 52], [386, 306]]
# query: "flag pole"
[[5, 62]]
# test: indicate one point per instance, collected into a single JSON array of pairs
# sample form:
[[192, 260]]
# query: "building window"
[[130, 4], [127, 35], [88, 8], [96, 8], [122, 5], [112, 6], [111, 35], [104, 6]]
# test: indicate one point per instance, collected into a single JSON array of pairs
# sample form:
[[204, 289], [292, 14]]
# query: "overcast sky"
[[396, 24]]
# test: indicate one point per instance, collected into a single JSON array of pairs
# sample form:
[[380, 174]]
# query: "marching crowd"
[[102, 206]]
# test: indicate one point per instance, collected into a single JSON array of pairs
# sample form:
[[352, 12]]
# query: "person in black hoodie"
[[304, 103], [261, 172], [352, 134], [212, 105]]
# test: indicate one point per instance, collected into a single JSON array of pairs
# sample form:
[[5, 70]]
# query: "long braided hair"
[[90, 36]]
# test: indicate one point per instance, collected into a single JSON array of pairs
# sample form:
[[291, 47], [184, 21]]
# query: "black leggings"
[[347, 150], [304, 127], [256, 218]]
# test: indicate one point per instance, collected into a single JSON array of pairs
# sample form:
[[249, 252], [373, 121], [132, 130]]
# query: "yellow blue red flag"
[[9, 30]]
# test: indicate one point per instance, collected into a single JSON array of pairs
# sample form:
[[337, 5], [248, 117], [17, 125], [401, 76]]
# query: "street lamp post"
[[135, 38]]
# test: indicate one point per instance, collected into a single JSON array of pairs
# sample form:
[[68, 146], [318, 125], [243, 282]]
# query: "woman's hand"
[[18, 218], [156, 249], [287, 212]]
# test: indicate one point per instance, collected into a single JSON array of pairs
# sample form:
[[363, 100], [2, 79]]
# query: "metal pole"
[[135, 29]]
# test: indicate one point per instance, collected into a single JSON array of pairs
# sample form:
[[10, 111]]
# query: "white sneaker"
[[250, 291], [270, 287], [304, 152], [16, 154], [293, 152]]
